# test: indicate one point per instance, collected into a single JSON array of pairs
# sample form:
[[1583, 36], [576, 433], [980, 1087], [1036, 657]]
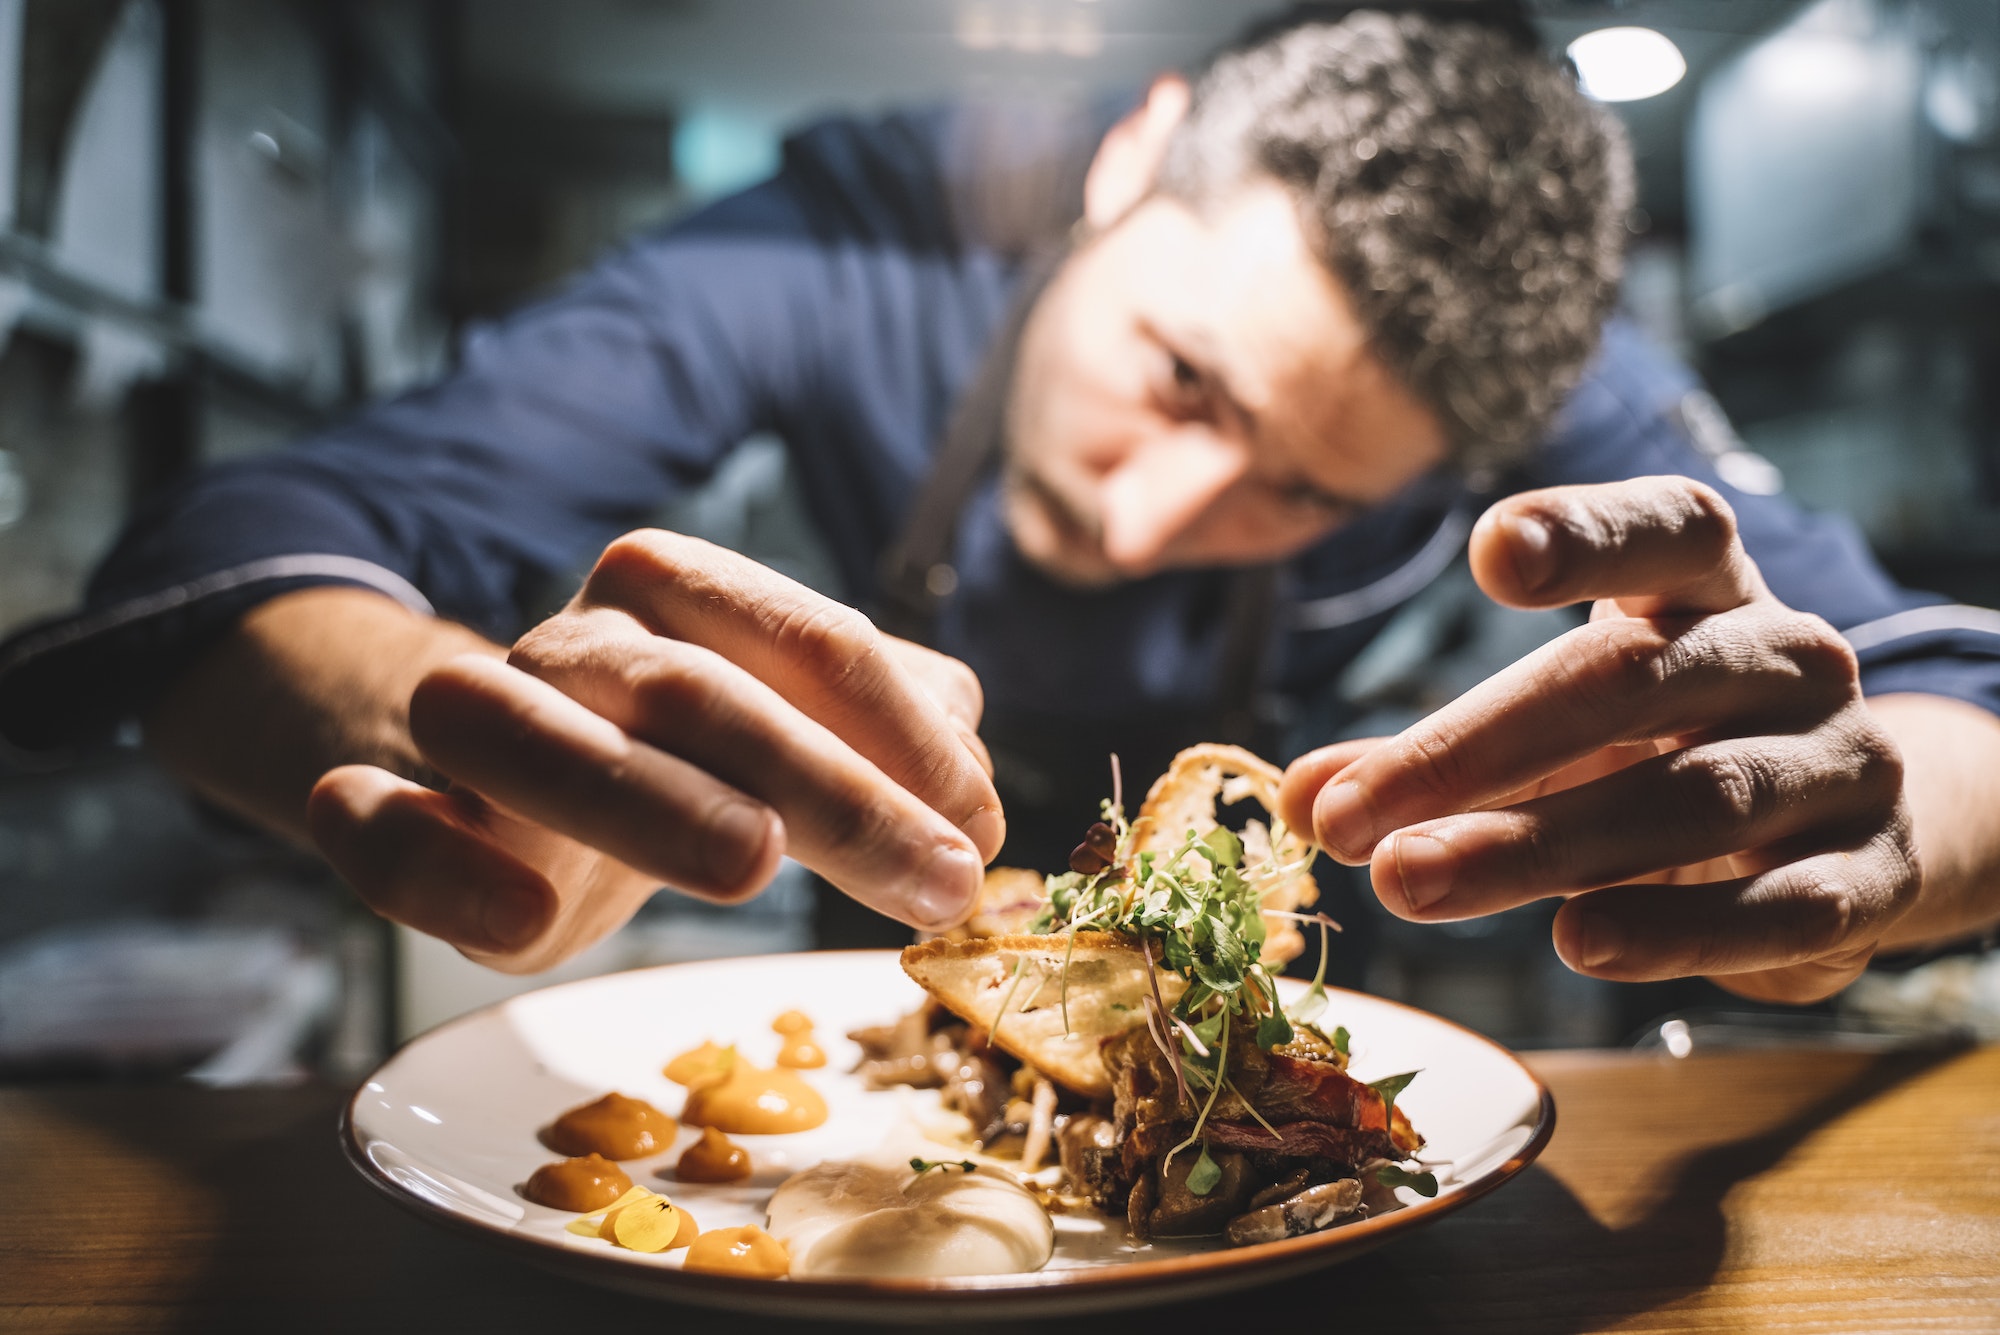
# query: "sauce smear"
[[750, 1101]]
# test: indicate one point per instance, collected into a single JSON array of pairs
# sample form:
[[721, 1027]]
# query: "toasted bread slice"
[[1107, 990]]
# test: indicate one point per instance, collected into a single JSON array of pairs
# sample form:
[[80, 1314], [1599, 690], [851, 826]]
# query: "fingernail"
[[1532, 548], [1342, 822], [1423, 866], [987, 829], [1599, 941], [736, 836], [512, 918], [943, 895]]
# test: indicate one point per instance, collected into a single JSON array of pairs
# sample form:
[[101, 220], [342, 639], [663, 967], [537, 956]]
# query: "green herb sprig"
[[922, 1166]]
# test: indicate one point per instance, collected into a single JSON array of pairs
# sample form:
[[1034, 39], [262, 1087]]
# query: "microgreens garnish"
[[922, 1166], [1197, 912]]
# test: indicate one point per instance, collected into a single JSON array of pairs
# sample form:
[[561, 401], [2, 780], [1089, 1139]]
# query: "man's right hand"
[[688, 718]]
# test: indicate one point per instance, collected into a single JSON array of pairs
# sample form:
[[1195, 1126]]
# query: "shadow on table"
[[304, 1245], [1533, 1258]]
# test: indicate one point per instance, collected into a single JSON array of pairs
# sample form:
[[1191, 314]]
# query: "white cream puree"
[[881, 1218]]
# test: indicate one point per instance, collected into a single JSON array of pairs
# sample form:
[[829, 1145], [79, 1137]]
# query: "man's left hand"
[[1694, 771]]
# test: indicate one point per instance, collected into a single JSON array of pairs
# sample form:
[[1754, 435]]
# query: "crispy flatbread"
[[1107, 993], [1185, 798]]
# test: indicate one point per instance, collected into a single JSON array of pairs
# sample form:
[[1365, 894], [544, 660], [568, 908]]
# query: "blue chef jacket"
[[843, 305]]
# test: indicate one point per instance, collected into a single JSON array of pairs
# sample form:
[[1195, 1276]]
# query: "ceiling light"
[[1626, 64]]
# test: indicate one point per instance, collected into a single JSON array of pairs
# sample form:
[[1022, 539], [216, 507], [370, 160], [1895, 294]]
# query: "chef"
[[1135, 426]]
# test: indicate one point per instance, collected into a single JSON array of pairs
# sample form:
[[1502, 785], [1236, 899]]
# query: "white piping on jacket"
[[1400, 585], [351, 569], [1921, 621]]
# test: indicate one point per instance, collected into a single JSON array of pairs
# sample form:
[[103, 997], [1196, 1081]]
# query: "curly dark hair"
[[1466, 194]]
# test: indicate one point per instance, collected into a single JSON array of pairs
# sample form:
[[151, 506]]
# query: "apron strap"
[[916, 571]]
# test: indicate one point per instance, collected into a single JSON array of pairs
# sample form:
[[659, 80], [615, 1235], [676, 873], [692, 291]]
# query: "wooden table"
[[1778, 1191]]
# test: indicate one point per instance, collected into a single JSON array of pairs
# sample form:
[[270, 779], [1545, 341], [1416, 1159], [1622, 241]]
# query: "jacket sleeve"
[[563, 425], [1637, 414]]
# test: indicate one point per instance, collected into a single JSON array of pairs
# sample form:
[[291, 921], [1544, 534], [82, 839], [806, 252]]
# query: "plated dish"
[[448, 1128], [1095, 1092]]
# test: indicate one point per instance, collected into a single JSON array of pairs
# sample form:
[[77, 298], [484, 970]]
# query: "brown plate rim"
[[1239, 1263]]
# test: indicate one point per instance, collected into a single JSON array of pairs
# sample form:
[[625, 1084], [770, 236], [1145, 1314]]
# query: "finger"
[[525, 745], [1686, 807], [1662, 546], [674, 704], [1308, 774], [1824, 910], [951, 685], [414, 858], [955, 689], [1610, 683], [822, 657]]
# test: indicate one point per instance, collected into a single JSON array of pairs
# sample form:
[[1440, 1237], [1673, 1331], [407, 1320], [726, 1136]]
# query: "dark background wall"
[[223, 221]]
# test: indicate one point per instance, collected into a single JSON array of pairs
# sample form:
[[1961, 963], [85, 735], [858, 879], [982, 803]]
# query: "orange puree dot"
[[713, 1158], [614, 1126], [578, 1185], [802, 1053], [739, 1251], [793, 1022]]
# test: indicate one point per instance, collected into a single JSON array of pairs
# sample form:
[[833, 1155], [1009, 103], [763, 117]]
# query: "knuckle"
[[1720, 792], [1432, 765], [671, 685], [1609, 664], [1878, 760], [544, 645], [1704, 513], [828, 640], [1818, 652], [644, 556], [1819, 918]]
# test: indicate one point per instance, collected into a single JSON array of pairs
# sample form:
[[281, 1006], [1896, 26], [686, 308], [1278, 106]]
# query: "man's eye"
[[1185, 394], [1303, 496]]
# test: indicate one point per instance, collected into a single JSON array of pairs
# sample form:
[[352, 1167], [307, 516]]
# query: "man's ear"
[[1129, 158]]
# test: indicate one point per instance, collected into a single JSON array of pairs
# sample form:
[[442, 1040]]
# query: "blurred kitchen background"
[[225, 221]]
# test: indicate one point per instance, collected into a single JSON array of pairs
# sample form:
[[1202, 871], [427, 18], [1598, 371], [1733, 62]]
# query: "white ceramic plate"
[[447, 1128]]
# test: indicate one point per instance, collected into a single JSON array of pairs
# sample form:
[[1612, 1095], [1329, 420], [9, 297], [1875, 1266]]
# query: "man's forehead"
[[1252, 303], [1261, 308]]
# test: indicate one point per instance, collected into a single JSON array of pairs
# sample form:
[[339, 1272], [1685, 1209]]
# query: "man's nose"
[[1158, 491]]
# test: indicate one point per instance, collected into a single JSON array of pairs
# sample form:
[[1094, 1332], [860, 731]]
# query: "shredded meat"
[[1323, 1126], [1088, 1147]]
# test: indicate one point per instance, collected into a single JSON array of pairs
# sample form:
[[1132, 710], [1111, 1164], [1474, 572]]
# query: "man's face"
[[1193, 389]]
